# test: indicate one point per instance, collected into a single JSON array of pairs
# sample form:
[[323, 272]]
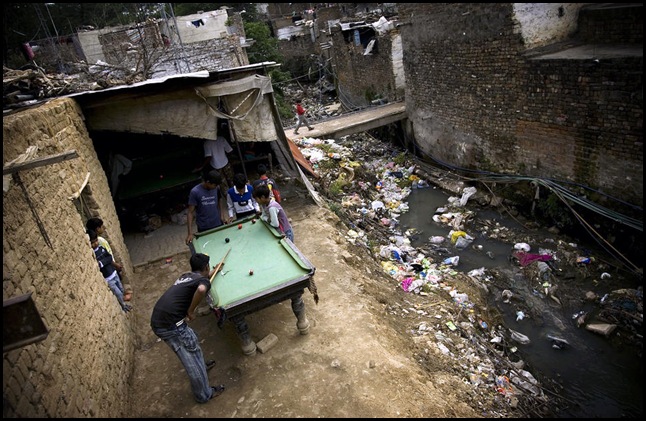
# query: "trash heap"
[[368, 184]]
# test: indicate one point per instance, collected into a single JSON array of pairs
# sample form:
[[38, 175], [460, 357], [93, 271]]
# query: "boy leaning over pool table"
[[272, 212]]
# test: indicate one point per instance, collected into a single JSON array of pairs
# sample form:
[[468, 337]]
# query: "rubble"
[[30, 85]]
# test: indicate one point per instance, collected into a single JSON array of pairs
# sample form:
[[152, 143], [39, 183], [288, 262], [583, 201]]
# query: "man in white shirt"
[[215, 157]]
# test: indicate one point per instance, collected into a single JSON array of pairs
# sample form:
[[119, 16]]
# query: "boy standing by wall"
[[108, 270]]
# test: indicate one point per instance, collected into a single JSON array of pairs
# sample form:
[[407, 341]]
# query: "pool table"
[[261, 268], [159, 173]]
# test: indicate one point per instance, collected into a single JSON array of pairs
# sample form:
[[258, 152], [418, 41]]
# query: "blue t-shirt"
[[207, 207]]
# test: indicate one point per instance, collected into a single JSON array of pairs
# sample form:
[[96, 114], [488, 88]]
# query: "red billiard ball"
[[239, 226]]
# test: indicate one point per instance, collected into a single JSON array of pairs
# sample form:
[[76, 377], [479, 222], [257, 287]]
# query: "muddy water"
[[598, 378]]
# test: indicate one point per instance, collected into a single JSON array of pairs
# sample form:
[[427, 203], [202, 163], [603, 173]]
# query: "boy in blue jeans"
[[108, 269]]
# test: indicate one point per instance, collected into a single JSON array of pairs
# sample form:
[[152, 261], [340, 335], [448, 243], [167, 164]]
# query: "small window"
[[21, 323]]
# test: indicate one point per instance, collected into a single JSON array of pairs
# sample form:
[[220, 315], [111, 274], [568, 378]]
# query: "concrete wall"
[[210, 25], [541, 24], [212, 45], [83, 367], [475, 100]]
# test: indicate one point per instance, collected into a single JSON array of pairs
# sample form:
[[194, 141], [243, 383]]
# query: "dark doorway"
[[150, 176]]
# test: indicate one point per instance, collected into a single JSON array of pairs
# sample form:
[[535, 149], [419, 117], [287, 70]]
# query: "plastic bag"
[[522, 247], [466, 194], [451, 260], [462, 242]]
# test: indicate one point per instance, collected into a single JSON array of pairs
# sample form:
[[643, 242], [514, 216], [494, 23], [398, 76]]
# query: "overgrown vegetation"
[[553, 209]]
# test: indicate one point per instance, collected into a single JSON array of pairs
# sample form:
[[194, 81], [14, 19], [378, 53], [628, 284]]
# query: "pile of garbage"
[[444, 309], [368, 184]]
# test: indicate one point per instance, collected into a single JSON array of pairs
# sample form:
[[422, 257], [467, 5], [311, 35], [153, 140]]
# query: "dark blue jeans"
[[185, 343]]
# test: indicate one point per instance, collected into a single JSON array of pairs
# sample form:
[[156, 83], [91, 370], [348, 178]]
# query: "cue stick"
[[219, 266]]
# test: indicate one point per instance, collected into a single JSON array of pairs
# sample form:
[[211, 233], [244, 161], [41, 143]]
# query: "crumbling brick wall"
[[363, 78], [83, 367], [476, 100]]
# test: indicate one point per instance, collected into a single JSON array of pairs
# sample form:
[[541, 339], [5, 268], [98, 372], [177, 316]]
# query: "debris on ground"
[[366, 184]]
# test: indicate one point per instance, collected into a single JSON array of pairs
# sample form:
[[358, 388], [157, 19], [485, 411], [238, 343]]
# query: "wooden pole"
[[219, 266]]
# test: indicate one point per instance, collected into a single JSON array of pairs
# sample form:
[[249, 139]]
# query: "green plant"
[[553, 209], [400, 159], [370, 94], [277, 77], [327, 164], [335, 207], [265, 47], [326, 148], [336, 187]]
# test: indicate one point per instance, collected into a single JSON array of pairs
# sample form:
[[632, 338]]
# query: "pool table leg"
[[248, 346], [298, 307]]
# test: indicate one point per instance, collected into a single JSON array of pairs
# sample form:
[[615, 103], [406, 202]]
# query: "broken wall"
[[367, 74], [198, 42]]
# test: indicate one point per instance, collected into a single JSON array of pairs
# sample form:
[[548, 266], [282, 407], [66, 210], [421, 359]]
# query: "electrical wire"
[[567, 197], [596, 235]]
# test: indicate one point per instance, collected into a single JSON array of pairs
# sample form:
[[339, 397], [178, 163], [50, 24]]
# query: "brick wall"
[[83, 367], [604, 25], [214, 49], [299, 56], [216, 54], [475, 101], [363, 78], [212, 55]]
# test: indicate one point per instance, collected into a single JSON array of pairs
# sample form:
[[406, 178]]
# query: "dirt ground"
[[353, 363]]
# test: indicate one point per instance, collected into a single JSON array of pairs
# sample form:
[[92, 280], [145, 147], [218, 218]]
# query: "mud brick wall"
[[83, 367], [474, 100], [299, 58]]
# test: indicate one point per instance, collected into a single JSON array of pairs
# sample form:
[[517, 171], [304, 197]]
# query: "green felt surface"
[[276, 263], [158, 173]]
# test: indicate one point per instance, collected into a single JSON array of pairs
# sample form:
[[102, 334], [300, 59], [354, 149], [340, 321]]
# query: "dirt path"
[[353, 362]]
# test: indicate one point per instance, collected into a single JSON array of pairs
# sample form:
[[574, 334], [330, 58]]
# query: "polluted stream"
[[598, 377], [548, 298]]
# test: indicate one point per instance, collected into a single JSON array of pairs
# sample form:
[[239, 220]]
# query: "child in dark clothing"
[[265, 180], [108, 270]]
